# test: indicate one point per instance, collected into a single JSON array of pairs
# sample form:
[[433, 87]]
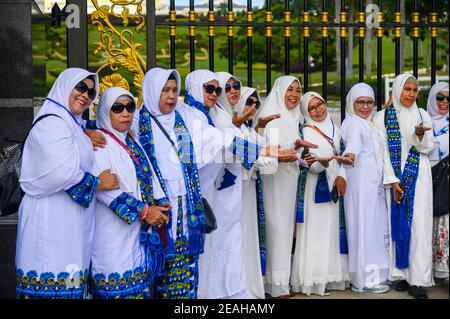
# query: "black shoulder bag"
[[10, 163], [440, 187], [210, 218]]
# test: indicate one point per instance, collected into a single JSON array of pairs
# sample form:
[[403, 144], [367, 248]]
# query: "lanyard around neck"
[[70, 113], [122, 144], [330, 140]]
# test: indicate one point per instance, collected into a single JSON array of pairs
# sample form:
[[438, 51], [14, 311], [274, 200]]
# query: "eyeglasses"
[[83, 87], [315, 108], [235, 85], [361, 103], [209, 88], [440, 97], [251, 101], [119, 107]]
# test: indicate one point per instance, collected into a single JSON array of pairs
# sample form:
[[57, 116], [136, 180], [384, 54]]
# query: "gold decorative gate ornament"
[[123, 51]]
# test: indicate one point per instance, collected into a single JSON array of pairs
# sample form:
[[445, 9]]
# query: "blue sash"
[[261, 222], [401, 214]]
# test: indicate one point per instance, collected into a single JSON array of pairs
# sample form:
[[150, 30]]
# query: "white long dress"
[[55, 232], [280, 189], [366, 215], [318, 263], [419, 272], [118, 264]]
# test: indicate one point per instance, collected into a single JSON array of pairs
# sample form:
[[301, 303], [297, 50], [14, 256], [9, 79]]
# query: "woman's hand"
[[248, 114], [325, 161], [420, 130], [107, 181], [263, 121], [309, 159], [347, 159], [302, 143], [289, 155], [97, 138], [155, 215], [398, 192], [341, 185]]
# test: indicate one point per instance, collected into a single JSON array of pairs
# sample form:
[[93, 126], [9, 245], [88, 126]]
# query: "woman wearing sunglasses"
[[56, 216], [221, 267], [437, 107], [122, 266]]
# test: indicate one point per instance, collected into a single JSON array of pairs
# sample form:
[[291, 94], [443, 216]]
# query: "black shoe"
[[402, 286], [417, 292]]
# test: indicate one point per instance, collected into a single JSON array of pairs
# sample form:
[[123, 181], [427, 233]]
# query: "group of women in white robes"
[[131, 215]]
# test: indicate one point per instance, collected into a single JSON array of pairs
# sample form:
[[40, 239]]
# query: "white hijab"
[[408, 117], [152, 85], [117, 158], [223, 78], [287, 125], [74, 150], [326, 125], [194, 83], [108, 98], [246, 92], [440, 122]]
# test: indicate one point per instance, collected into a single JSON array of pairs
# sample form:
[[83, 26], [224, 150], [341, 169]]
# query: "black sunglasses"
[[209, 88], [119, 107], [251, 101], [440, 97], [83, 87], [235, 85]]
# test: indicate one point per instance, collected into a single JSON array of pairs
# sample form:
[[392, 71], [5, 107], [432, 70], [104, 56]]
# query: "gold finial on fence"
[[287, 16], [250, 31], [249, 16], [191, 16], [415, 19], [211, 31], [343, 29], [361, 19], [230, 16], [287, 32], [306, 16], [324, 20], [211, 16], [172, 16], [269, 16], [324, 17], [379, 33]]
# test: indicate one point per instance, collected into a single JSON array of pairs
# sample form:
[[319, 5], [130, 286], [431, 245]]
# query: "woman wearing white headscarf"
[[121, 266], [320, 261], [437, 107], [222, 273], [408, 139], [366, 215], [56, 216], [179, 166], [280, 184], [253, 217]]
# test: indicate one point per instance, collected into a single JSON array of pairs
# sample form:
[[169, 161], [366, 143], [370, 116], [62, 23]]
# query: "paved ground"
[[436, 292]]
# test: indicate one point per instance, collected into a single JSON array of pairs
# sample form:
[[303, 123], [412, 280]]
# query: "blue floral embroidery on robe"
[[179, 278], [83, 192], [47, 285], [126, 207], [129, 284]]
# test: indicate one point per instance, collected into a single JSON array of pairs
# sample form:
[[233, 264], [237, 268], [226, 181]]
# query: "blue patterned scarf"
[[189, 100], [401, 214], [196, 215], [261, 222]]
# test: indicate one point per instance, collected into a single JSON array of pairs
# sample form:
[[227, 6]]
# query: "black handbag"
[[440, 188], [10, 163], [210, 218]]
